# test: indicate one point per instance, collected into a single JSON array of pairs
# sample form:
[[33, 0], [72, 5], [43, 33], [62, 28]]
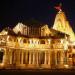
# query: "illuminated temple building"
[[38, 46]]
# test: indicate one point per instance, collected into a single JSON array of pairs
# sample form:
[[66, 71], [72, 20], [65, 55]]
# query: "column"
[[11, 57], [17, 57], [37, 57], [26, 56], [61, 59], [29, 57], [45, 58], [48, 58], [5, 57], [33, 57], [22, 56], [65, 54], [52, 59], [55, 58]]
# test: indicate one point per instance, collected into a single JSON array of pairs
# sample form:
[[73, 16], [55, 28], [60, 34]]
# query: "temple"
[[35, 45]]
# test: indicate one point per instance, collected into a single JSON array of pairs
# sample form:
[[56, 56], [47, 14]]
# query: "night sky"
[[14, 11]]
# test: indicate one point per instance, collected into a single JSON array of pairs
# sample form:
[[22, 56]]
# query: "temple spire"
[[62, 24]]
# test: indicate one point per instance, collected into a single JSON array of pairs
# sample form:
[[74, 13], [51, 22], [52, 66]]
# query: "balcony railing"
[[26, 45], [42, 46]]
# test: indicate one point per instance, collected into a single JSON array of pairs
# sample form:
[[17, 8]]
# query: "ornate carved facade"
[[38, 46]]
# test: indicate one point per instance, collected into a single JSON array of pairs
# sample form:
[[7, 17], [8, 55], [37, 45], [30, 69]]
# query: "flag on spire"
[[58, 7]]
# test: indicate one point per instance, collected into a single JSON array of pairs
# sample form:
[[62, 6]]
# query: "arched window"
[[10, 39], [52, 41], [14, 39], [42, 42], [24, 40], [58, 41], [19, 33]]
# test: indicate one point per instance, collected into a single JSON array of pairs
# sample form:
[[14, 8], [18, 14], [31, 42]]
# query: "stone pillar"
[[45, 59], [5, 57], [17, 56], [11, 57], [37, 58], [61, 59], [26, 56], [48, 58], [55, 58], [65, 54], [22, 56], [29, 57], [14, 56], [33, 57], [52, 59]]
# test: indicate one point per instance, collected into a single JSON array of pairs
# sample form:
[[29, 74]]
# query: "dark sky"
[[13, 11]]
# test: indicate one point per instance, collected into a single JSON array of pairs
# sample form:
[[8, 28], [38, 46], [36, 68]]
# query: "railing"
[[34, 46], [26, 45]]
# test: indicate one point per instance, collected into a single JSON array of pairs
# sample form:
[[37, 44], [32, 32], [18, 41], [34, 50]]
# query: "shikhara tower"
[[61, 24]]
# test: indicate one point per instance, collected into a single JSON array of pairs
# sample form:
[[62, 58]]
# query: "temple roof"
[[53, 34], [34, 23]]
